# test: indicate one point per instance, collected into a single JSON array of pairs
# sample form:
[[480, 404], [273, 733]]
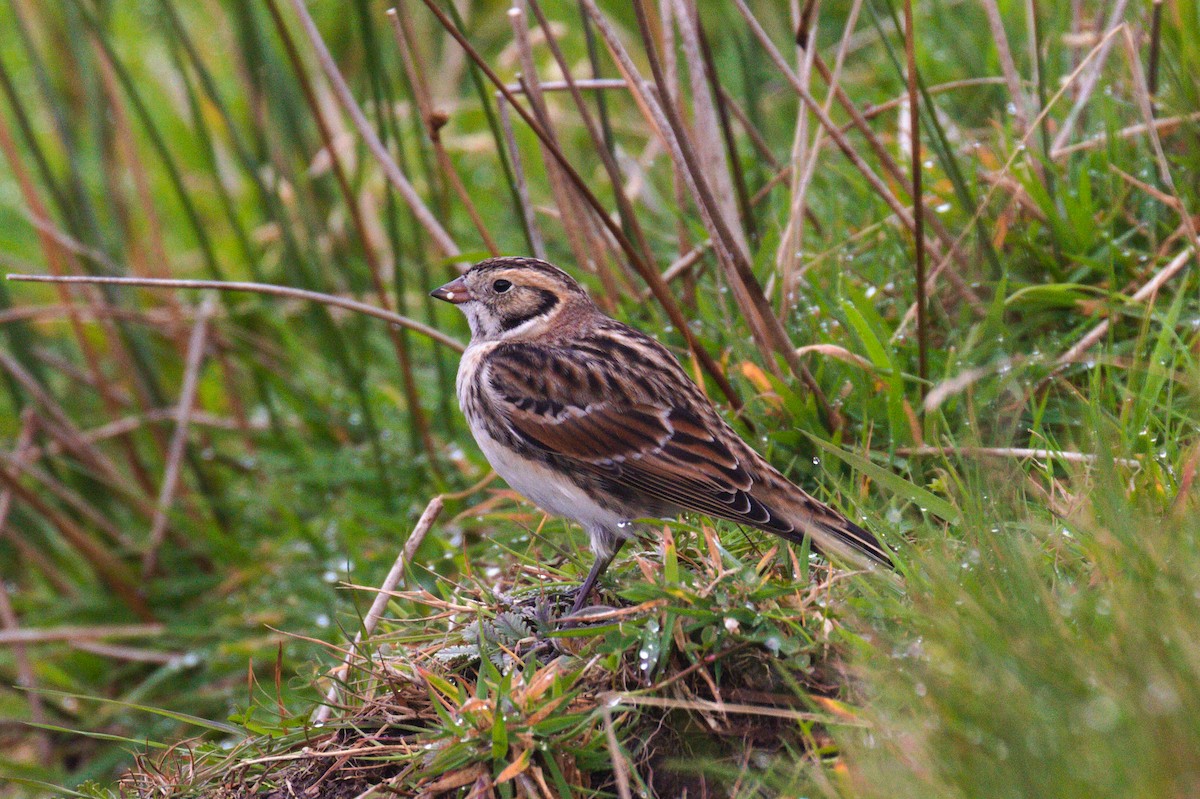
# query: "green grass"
[[1039, 641]]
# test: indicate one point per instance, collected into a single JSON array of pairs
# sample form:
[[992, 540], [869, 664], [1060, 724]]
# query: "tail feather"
[[832, 533]]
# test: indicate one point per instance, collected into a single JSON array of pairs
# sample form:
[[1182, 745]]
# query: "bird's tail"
[[832, 533]]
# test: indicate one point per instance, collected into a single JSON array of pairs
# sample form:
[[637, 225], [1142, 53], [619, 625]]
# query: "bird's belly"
[[550, 490]]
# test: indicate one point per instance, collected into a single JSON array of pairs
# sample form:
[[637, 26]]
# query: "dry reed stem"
[[72, 632], [709, 706], [914, 122], [616, 754], [412, 396], [391, 170], [1088, 84], [1011, 452], [1149, 289], [375, 613], [514, 156], [260, 288], [646, 270], [1007, 65], [706, 123], [616, 179], [575, 221], [1017, 152], [1142, 93], [1160, 125], [187, 398], [406, 42], [800, 191]]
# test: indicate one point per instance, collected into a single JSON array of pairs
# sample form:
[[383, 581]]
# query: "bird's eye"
[[501, 286]]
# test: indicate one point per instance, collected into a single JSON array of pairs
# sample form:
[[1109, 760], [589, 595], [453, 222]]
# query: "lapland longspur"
[[595, 421]]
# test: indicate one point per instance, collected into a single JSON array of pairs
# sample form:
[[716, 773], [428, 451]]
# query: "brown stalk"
[[1007, 65], [1148, 289], [843, 144], [60, 425], [914, 118], [258, 288], [412, 396], [1163, 125], [624, 208], [573, 217], [645, 269], [1092, 78], [391, 170], [69, 633], [187, 398], [712, 150], [379, 604], [765, 326], [514, 156], [57, 259], [1010, 452], [800, 190], [112, 571], [1016, 153], [406, 41], [1145, 101]]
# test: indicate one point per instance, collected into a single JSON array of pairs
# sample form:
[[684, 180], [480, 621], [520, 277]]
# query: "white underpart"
[[544, 487]]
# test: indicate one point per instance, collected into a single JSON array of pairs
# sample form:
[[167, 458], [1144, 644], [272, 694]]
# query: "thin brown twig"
[[422, 528], [259, 288], [1149, 289], [1145, 101], [187, 398], [1161, 125], [528, 217], [629, 218], [1007, 65], [434, 121], [576, 223], [1012, 452], [79, 632], [646, 270], [1088, 85], [914, 121], [1017, 153], [374, 267], [444, 241]]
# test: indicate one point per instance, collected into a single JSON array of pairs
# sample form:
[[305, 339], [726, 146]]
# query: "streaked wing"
[[674, 454]]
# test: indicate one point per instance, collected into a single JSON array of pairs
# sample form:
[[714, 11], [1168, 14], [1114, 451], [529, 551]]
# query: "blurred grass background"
[[187, 477]]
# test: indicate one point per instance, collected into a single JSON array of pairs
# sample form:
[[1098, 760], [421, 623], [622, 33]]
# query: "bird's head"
[[513, 297]]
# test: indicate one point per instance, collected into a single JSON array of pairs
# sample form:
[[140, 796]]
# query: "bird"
[[595, 421]]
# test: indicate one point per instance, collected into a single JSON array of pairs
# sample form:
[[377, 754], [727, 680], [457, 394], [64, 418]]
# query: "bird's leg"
[[602, 562]]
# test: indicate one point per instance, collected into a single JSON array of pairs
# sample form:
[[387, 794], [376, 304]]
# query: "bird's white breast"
[[547, 488]]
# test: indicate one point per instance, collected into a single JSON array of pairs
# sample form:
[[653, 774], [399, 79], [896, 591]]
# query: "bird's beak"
[[455, 291]]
